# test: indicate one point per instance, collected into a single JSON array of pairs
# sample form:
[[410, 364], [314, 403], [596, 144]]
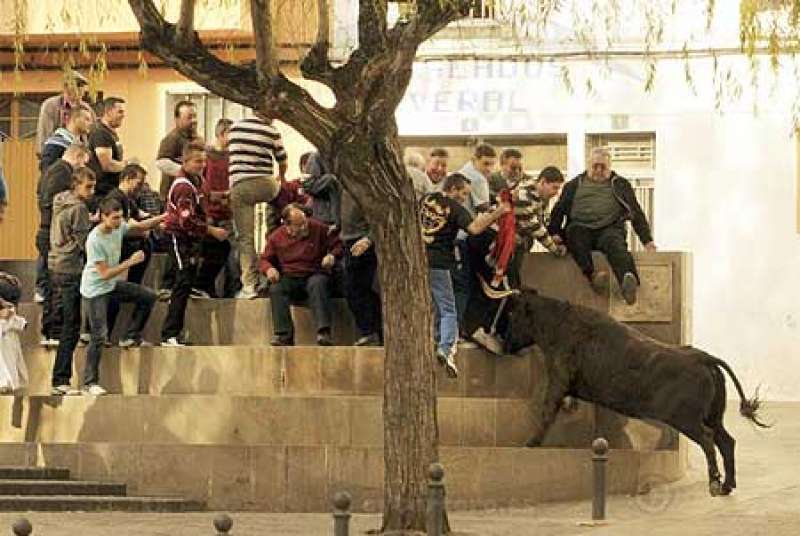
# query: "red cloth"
[[300, 256], [216, 186], [185, 216], [504, 243]]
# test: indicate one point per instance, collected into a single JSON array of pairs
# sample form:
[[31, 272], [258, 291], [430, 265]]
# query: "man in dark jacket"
[[57, 179], [591, 214], [192, 239]]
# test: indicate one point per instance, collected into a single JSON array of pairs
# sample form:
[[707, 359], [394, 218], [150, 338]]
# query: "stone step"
[[34, 473], [60, 487], [267, 370], [99, 503], [270, 420], [217, 322], [303, 478]]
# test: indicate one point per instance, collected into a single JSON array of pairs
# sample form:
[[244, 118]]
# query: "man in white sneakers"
[[103, 279]]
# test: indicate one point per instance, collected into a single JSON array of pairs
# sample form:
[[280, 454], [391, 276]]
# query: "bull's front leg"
[[545, 409]]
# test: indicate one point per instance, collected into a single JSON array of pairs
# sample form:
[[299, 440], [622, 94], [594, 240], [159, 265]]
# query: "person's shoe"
[[247, 294], [164, 294], [569, 404], [599, 282], [64, 390], [324, 338], [84, 339], [628, 287], [282, 340], [369, 340], [94, 390], [198, 294], [38, 297], [488, 342], [173, 342], [134, 343], [466, 344], [448, 361]]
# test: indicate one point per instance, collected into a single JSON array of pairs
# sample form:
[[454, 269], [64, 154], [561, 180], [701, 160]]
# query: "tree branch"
[[239, 83], [372, 24], [432, 16], [316, 66], [186, 21], [266, 58]]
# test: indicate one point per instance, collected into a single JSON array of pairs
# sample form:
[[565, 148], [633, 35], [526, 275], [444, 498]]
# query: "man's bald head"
[[295, 220]]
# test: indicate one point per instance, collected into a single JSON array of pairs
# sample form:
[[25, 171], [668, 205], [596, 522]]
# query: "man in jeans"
[[101, 282], [443, 216], [70, 226], [254, 146]]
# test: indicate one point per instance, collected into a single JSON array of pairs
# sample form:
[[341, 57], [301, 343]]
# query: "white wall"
[[725, 186]]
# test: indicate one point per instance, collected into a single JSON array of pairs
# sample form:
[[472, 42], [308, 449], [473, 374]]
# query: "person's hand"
[[504, 208], [360, 247], [560, 251], [218, 232], [650, 246], [558, 240], [273, 275], [137, 258], [327, 261]]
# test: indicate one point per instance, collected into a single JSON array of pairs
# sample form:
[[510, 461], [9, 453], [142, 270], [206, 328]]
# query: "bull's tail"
[[748, 407]]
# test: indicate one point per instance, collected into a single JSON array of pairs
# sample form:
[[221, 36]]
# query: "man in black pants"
[[591, 214], [360, 271], [193, 242]]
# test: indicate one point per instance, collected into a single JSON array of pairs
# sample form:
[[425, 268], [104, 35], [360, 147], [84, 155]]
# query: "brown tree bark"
[[409, 405], [358, 137]]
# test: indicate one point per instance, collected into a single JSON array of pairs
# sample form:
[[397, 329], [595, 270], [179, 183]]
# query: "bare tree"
[[358, 138]]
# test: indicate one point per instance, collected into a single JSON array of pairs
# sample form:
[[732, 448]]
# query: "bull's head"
[[519, 330]]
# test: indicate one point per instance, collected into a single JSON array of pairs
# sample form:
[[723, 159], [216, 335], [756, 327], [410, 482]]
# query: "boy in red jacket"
[[192, 239]]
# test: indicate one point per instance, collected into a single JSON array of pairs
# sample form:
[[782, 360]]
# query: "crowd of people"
[[101, 222]]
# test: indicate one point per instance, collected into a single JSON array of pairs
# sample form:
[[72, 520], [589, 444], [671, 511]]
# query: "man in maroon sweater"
[[191, 237], [297, 261]]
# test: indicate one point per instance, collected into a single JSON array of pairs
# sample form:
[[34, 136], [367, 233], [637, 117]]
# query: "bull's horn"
[[495, 294]]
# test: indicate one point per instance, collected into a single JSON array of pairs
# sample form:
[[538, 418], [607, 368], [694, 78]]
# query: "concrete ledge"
[[267, 370], [303, 478], [270, 421]]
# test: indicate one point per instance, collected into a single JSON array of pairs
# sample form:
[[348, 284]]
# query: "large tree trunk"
[[371, 168]]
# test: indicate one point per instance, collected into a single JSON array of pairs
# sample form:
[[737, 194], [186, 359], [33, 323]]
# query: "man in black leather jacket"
[[591, 214]]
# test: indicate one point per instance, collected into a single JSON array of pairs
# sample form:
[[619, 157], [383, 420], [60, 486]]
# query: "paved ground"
[[767, 502]]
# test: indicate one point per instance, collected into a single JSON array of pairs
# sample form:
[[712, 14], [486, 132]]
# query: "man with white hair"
[[415, 166], [591, 214]]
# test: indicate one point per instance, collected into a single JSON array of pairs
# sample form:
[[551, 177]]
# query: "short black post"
[[435, 500], [22, 527], [341, 513], [223, 523], [599, 460]]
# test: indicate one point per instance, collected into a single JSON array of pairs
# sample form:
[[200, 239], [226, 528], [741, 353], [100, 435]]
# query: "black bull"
[[591, 356]]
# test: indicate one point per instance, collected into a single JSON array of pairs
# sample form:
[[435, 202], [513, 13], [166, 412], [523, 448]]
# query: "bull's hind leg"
[[704, 436], [726, 445]]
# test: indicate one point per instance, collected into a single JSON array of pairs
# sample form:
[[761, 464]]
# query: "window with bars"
[[19, 114], [633, 155]]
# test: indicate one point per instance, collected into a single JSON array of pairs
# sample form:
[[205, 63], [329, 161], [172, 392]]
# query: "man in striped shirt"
[[255, 146]]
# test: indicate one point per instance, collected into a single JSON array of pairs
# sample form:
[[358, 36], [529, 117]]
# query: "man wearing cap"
[[56, 110]]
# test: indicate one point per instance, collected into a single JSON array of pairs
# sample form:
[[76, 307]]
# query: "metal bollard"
[[599, 459], [341, 514], [22, 527], [223, 523], [435, 517]]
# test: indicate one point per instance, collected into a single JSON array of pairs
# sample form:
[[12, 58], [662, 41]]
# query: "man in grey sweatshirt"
[[70, 225]]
